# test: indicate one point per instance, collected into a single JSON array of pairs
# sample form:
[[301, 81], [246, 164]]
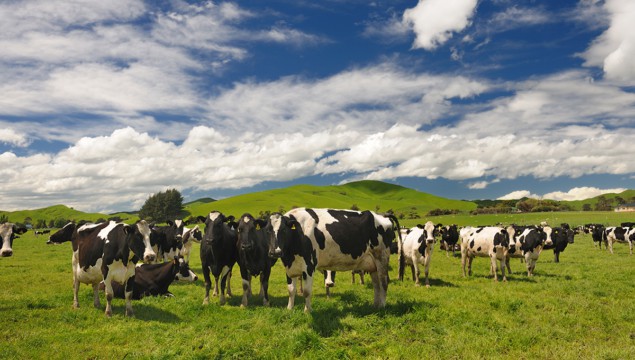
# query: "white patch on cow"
[[246, 219], [87, 226], [103, 233], [548, 230], [178, 223], [213, 215], [412, 256]]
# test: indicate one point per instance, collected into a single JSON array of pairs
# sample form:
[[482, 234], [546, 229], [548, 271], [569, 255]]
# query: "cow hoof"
[[108, 314], [129, 313], [417, 284], [265, 303], [206, 301], [427, 286]]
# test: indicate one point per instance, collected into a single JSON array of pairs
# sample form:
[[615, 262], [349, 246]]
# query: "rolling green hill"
[[627, 196], [62, 212], [365, 195]]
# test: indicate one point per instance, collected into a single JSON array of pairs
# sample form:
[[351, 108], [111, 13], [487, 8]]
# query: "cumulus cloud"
[[614, 49], [435, 21], [11, 137], [519, 194], [578, 193]]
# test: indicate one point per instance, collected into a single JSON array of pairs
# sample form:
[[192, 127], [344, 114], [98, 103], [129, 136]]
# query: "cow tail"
[[400, 258]]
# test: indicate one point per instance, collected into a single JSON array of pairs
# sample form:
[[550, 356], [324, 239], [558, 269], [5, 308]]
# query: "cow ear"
[[170, 222], [19, 230], [127, 229], [201, 219], [229, 218], [420, 226]]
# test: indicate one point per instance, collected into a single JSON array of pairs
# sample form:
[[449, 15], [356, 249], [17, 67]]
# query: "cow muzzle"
[[246, 247], [548, 242], [148, 258], [6, 253], [275, 254]]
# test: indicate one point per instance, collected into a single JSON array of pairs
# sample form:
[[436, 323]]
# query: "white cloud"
[[11, 137], [614, 49], [580, 193], [435, 21], [518, 194]]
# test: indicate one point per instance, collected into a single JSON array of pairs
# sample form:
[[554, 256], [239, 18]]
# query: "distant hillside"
[[60, 212], [627, 196], [365, 195]]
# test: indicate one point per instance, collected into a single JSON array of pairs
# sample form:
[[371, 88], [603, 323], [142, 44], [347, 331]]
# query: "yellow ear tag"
[[293, 227], [257, 226]]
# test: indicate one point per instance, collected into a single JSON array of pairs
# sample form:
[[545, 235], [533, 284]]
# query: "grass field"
[[580, 308]]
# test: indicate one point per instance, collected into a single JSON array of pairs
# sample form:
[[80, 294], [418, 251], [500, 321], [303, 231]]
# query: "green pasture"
[[580, 308]]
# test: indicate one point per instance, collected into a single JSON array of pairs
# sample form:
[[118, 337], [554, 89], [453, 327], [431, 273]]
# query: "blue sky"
[[106, 103]]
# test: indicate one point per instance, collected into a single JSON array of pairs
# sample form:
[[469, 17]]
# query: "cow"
[[106, 252], [190, 236], [154, 279], [307, 240], [613, 234], [597, 234], [449, 238], [527, 242], [253, 256], [561, 237], [218, 253], [417, 249], [491, 241], [42, 232], [166, 240], [8, 232]]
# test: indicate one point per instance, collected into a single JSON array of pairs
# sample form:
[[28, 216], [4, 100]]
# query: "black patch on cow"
[[353, 231], [479, 230], [472, 244], [90, 246], [479, 249]]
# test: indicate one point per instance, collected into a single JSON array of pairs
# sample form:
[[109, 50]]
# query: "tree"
[[162, 206], [586, 207]]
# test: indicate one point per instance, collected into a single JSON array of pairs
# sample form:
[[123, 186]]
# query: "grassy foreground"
[[582, 307]]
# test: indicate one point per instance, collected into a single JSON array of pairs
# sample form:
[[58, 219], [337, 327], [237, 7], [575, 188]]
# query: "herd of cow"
[[132, 261]]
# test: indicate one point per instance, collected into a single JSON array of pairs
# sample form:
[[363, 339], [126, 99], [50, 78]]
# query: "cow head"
[[247, 228], [501, 239], [193, 234], [139, 241], [429, 231], [184, 273], [214, 226], [8, 232], [547, 237], [280, 230], [62, 235]]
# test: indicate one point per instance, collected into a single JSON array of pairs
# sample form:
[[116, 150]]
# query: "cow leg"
[[469, 265], [492, 266], [416, 273], [308, 291], [630, 246], [361, 277], [412, 269], [96, 302], [509, 270], [380, 279], [353, 277], [225, 275], [128, 295], [264, 287], [611, 246], [328, 282], [208, 284], [556, 255], [502, 262], [215, 293], [246, 289], [76, 292], [229, 285], [292, 290], [109, 295], [427, 269]]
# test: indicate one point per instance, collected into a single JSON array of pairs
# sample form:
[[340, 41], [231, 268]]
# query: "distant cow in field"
[[190, 236], [42, 232], [492, 242], [597, 234], [561, 237], [8, 232], [154, 279], [449, 238], [527, 242], [618, 234], [166, 240], [106, 252], [218, 253], [308, 240], [417, 249]]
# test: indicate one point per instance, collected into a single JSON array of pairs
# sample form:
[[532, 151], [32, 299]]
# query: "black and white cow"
[[218, 253], [597, 234], [613, 234], [106, 252], [561, 237], [417, 249], [189, 237], [155, 279], [527, 242], [308, 240], [253, 256], [8, 232], [491, 241], [449, 238], [166, 240]]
